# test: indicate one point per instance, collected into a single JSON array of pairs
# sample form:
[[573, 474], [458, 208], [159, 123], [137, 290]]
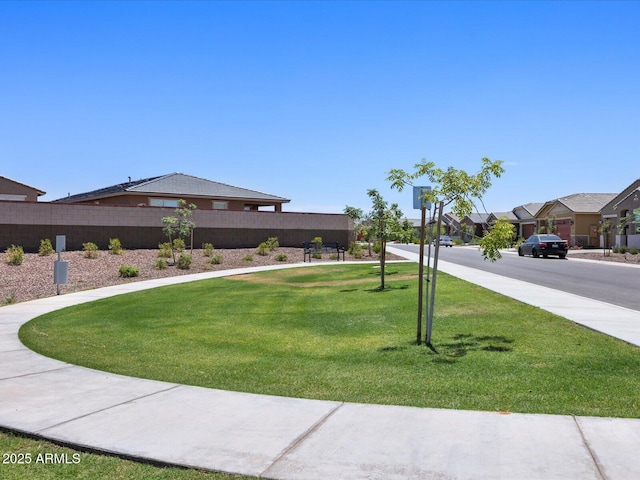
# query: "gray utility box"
[[60, 272]]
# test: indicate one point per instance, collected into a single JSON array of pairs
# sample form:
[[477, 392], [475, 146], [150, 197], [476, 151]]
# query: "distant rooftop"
[[176, 184]]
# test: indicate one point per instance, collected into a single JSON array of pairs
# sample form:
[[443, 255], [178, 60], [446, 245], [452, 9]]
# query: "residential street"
[[608, 282]]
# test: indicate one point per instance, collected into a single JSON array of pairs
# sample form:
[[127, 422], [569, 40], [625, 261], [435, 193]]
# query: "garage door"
[[564, 229]]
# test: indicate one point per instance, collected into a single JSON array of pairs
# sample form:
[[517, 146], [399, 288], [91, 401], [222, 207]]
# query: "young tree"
[[459, 190], [361, 224], [385, 225], [180, 226]]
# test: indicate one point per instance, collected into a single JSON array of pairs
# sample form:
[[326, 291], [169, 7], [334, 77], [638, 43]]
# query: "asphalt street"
[[605, 281]]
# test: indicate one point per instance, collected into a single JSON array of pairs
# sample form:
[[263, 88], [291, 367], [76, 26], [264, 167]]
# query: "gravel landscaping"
[[34, 277]]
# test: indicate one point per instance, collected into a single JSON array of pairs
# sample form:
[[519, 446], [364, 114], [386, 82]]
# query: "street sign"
[[418, 202]]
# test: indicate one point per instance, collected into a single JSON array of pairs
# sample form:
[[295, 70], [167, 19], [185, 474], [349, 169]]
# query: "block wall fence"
[[26, 223]]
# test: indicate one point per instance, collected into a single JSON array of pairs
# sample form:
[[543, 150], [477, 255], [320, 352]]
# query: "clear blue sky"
[[317, 101]]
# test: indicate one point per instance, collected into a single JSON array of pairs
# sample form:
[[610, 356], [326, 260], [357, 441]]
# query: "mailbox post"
[[60, 267]]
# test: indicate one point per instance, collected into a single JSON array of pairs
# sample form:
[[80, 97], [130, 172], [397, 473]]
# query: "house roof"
[[585, 202], [38, 191], [177, 184], [510, 215], [531, 208], [478, 217], [632, 189]]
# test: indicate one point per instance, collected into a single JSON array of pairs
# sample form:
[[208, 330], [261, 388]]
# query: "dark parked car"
[[544, 245]]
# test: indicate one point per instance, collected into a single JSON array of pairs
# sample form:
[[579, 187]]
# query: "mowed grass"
[[326, 332]]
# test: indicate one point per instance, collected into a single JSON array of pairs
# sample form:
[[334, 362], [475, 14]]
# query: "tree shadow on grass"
[[463, 343], [387, 288]]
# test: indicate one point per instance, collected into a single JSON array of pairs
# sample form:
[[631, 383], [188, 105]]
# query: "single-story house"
[[18, 192], [510, 216], [474, 225], [575, 218], [527, 221], [623, 214], [166, 190]]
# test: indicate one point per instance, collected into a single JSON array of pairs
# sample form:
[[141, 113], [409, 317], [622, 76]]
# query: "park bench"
[[319, 248]]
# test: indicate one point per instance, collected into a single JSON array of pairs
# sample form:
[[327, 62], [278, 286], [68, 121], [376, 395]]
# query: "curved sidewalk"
[[287, 438]]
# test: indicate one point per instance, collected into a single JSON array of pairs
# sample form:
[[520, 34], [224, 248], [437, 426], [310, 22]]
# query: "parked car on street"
[[544, 245], [445, 241]]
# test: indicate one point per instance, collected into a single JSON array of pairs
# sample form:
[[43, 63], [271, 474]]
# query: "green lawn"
[[325, 332]]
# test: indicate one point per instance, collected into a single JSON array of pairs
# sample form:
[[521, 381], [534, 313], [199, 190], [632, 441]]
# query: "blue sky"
[[317, 101]]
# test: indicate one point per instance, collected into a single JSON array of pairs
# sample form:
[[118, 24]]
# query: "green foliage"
[[10, 299], [15, 255], [216, 259], [454, 187], [178, 245], [128, 271], [620, 249], [633, 251], [115, 247], [161, 263], [377, 247], [207, 249], [248, 258], [90, 250], [46, 248], [272, 243], [165, 250], [263, 249], [502, 236], [355, 249], [281, 257], [184, 261]]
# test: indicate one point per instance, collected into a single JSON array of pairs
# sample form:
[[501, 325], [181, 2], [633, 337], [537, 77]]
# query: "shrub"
[[355, 249], [115, 247], [184, 261], [178, 245], [281, 257], [263, 249], [46, 248], [216, 259], [272, 243], [10, 299], [165, 250], [15, 255], [248, 258], [377, 247], [160, 264], [127, 271], [90, 250], [620, 249], [633, 251], [207, 249]]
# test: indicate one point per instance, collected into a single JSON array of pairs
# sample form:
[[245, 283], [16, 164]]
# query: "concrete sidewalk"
[[286, 438]]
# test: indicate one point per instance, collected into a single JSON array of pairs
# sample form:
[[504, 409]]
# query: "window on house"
[[218, 205], [163, 202], [14, 198]]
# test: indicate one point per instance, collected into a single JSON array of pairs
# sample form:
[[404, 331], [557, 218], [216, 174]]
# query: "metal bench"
[[320, 248]]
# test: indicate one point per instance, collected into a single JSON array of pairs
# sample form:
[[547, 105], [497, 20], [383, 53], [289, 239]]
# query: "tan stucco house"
[[575, 218]]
